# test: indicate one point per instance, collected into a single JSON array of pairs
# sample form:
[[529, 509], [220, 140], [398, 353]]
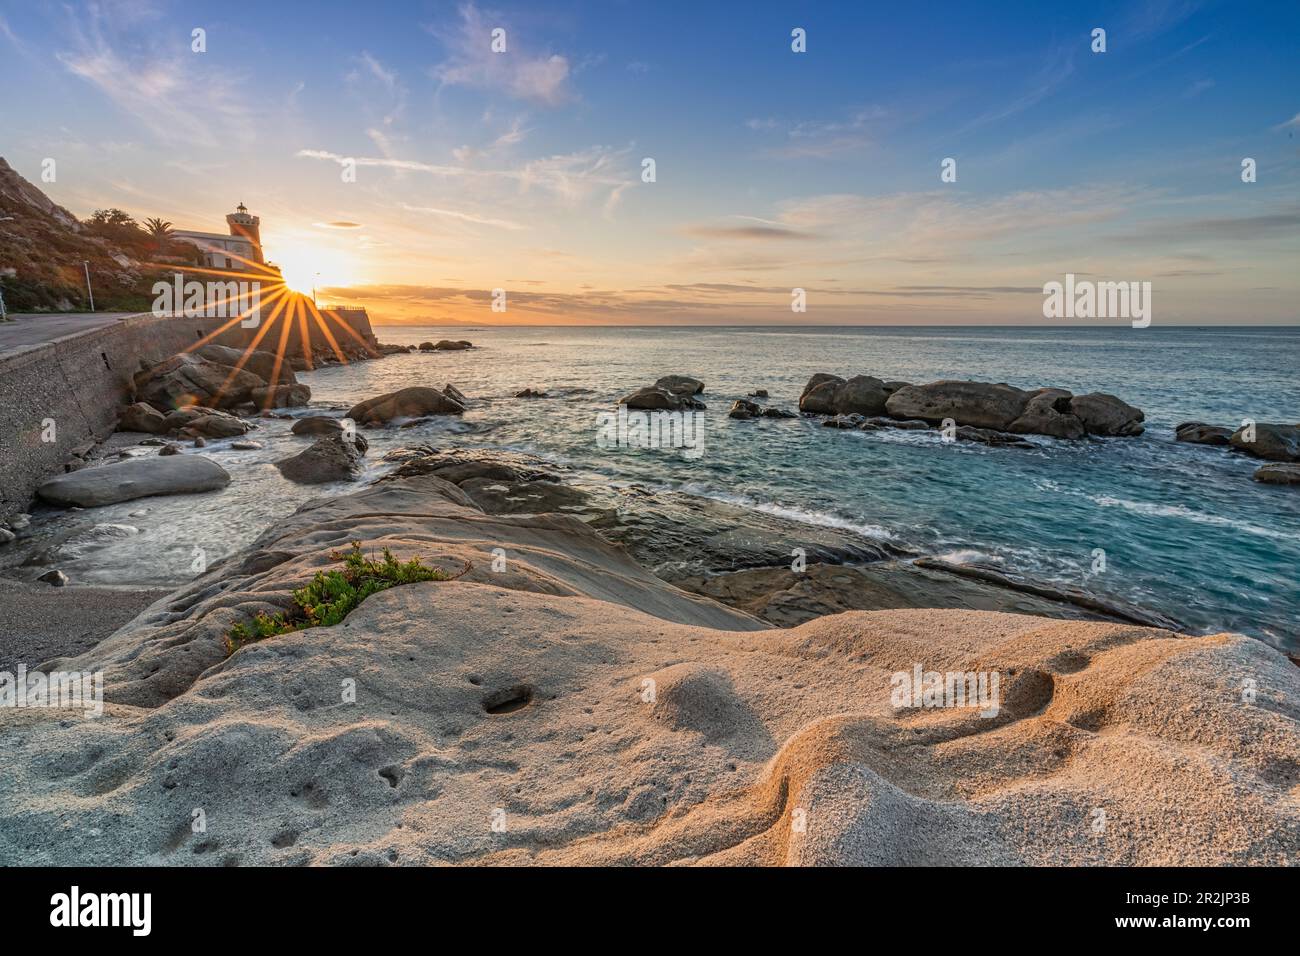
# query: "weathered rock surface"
[[1271, 441], [1278, 474], [404, 403], [195, 421], [657, 398], [281, 396], [1048, 413], [967, 403], [1104, 414], [260, 362], [317, 425], [1199, 433], [134, 478], [614, 718], [786, 598], [140, 417], [680, 384], [189, 379], [831, 395], [330, 458], [990, 436]]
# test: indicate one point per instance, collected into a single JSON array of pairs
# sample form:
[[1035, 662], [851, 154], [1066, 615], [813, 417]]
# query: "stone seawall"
[[58, 399]]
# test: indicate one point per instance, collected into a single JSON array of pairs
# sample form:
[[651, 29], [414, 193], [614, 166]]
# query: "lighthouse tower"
[[246, 227]]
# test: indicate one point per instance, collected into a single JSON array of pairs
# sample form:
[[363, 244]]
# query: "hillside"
[[43, 247]]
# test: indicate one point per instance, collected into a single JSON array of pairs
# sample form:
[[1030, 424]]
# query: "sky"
[[524, 170]]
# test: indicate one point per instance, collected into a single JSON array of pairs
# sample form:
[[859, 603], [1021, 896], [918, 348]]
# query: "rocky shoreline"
[[628, 676], [558, 703]]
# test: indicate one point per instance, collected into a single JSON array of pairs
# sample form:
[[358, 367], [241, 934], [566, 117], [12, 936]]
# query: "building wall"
[[80, 383]]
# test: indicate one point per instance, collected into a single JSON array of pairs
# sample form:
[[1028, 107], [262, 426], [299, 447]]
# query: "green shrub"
[[333, 595]]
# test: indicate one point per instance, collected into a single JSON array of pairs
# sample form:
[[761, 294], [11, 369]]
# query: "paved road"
[[28, 331]]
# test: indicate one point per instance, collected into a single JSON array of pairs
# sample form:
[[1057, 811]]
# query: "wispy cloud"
[[465, 217], [541, 78], [177, 98]]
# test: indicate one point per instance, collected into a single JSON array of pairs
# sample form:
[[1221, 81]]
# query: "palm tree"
[[160, 230]]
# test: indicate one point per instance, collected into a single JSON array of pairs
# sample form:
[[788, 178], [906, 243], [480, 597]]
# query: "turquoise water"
[[1184, 528]]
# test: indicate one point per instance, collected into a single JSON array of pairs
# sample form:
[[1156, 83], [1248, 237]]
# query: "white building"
[[240, 250]]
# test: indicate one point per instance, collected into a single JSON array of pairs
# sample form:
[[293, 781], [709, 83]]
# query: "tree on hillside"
[[110, 219], [160, 230]]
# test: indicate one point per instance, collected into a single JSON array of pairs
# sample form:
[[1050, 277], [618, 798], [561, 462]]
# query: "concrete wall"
[[79, 383]]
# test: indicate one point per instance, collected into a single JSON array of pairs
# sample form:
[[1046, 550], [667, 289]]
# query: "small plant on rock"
[[333, 595]]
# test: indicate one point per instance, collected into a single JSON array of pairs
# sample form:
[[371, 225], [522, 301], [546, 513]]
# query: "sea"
[[1177, 528]]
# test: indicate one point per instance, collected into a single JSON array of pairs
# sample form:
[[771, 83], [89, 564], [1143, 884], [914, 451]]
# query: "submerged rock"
[[1278, 474], [989, 436], [134, 478], [531, 393], [741, 409], [1199, 433]]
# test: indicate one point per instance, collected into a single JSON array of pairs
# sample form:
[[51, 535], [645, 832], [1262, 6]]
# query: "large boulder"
[[1199, 433], [140, 417], [979, 404], [189, 379], [1282, 473], [1104, 414], [134, 478], [330, 458], [281, 396], [447, 345], [1048, 413], [680, 384], [1270, 441], [656, 398], [193, 421], [261, 363], [405, 403], [831, 395]]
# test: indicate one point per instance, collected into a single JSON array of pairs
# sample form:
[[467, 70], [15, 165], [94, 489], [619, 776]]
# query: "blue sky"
[[774, 170]]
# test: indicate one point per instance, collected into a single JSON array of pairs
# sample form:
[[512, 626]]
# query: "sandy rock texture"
[[572, 708]]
